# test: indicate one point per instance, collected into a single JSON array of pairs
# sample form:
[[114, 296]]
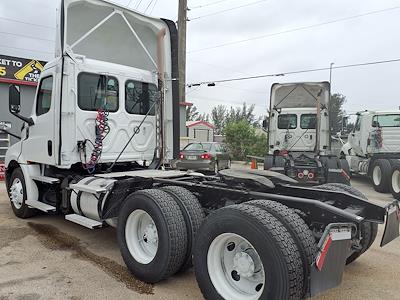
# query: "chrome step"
[[87, 188], [40, 206], [83, 221], [46, 179]]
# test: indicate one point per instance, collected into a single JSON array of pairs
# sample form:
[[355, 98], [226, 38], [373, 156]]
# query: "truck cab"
[[299, 136], [373, 149], [113, 75]]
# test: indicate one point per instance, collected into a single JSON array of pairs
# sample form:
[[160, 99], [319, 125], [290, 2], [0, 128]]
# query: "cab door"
[[355, 138], [38, 145]]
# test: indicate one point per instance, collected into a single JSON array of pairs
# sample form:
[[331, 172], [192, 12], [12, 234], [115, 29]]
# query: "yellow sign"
[[33, 66]]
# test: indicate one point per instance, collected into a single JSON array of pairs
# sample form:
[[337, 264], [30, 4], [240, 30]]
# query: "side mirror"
[[265, 124], [14, 99]]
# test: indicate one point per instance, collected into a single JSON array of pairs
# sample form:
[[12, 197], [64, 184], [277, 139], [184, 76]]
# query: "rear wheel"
[[380, 175], [368, 230], [244, 253], [152, 235], [395, 181], [299, 231], [17, 193]]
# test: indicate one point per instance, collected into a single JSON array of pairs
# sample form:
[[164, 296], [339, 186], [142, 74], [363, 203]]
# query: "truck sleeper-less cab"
[[105, 120], [373, 149], [299, 136]]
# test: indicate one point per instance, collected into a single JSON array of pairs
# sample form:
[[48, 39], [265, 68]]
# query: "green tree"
[[218, 115], [191, 113], [336, 112], [242, 140], [245, 113]]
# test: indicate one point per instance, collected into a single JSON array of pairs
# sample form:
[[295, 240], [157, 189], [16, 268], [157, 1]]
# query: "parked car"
[[204, 157]]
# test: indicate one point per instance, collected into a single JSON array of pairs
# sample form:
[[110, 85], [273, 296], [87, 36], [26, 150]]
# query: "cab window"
[[308, 121], [140, 97], [386, 121], [97, 91], [288, 121], [43, 103], [357, 127]]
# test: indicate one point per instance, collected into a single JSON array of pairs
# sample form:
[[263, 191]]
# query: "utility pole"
[[182, 23]]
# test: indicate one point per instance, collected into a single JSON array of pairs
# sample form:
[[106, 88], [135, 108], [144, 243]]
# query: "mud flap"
[[392, 224], [333, 250]]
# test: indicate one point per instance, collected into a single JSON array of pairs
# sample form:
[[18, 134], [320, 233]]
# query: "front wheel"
[[380, 175], [17, 193]]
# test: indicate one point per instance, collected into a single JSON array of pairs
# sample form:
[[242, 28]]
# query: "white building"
[[198, 131]]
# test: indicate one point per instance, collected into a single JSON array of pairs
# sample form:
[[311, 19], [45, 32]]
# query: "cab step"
[[40, 206], [83, 221], [46, 179]]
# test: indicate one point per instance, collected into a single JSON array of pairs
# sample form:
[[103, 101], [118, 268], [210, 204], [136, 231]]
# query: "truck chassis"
[[242, 228]]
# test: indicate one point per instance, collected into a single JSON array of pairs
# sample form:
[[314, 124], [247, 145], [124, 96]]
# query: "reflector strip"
[[322, 254]]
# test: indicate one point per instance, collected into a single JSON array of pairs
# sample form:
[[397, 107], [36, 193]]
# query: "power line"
[[27, 36], [151, 1], [138, 4], [229, 102], [208, 4], [295, 29], [26, 23], [155, 3], [225, 10], [296, 72]]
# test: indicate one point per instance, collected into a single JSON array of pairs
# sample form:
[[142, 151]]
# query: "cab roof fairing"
[[104, 31], [299, 95]]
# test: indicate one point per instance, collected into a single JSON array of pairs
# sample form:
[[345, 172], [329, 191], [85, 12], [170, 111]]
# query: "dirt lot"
[[47, 257]]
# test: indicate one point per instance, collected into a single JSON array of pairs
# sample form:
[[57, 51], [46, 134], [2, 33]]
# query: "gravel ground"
[[47, 257]]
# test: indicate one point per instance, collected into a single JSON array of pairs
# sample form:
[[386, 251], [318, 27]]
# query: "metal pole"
[[330, 74], [182, 23]]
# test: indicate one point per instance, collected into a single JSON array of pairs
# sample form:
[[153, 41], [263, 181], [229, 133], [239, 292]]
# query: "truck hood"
[[104, 31], [297, 95]]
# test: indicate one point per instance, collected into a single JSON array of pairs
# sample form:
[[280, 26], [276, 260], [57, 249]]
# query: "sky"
[[373, 37]]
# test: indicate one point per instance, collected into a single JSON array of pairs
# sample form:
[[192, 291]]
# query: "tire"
[[368, 230], [345, 166], [299, 231], [268, 162], [17, 187], [395, 181], [257, 233], [380, 175], [216, 167], [193, 215], [152, 255]]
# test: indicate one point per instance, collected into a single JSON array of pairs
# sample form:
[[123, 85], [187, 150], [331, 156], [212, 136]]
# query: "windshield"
[[308, 121], [198, 147], [287, 121], [386, 121]]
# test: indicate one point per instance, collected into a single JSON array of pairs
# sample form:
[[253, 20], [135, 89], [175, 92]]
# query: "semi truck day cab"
[[104, 125], [373, 149], [299, 135]]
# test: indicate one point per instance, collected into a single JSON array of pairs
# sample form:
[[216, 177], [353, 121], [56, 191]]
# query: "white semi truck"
[[373, 149], [104, 124], [299, 135]]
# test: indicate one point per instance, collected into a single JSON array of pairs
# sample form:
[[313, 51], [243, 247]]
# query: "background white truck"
[[373, 149], [299, 135], [102, 128]]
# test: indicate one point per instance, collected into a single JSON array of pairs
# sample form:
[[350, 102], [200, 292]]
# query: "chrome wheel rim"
[[396, 181], [235, 268], [141, 236], [17, 193], [377, 175]]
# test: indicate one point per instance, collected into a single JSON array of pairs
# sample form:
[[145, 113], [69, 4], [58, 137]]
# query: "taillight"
[[284, 153], [206, 156], [300, 175], [181, 156], [310, 175]]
